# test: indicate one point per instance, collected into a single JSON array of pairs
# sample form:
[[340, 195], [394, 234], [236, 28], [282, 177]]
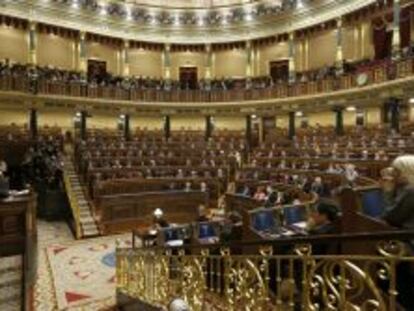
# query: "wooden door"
[[279, 70], [188, 78], [96, 70]]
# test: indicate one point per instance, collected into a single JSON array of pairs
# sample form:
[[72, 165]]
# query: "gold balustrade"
[[371, 75], [297, 280]]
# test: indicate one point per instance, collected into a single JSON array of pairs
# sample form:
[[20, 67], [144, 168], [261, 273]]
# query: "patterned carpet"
[[74, 275]]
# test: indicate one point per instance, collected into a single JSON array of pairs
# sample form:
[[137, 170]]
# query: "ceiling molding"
[[49, 12]]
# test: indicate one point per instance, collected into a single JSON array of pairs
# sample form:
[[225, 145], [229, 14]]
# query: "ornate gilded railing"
[[371, 75], [295, 279]]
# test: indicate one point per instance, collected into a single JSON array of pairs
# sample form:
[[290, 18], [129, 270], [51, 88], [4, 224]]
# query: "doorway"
[[96, 70], [188, 78], [279, 70]]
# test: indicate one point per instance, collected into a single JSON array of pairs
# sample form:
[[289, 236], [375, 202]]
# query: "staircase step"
[[85, 218], [11, 304], [10, 275], [10, 262], [10, 292], [90, 233]]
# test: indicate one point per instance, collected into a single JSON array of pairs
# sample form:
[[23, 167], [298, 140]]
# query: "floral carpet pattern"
[[83, 272], [75, 275]]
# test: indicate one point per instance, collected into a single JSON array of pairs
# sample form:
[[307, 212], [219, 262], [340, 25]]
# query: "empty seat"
[[263, 220], [373, 203], [294, 214], [206, 230]]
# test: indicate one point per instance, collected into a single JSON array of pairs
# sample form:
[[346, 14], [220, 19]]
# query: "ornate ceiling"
[[183, 21], [193, 4]]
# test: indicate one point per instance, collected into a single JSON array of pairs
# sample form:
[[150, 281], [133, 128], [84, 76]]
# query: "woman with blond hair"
[[398, 186]]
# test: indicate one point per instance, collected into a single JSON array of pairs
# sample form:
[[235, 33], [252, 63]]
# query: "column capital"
[[208, 47], [32, 25], [338, 108]]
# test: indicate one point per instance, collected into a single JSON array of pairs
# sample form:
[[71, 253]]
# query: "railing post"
[[228, 291], [305, 251]]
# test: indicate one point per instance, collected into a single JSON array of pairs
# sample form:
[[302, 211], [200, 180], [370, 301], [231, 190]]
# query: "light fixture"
[[299, 114], [78, 114], [254, 116], [351, 108], [200, 20], [176, 20], [103, 10], [128, 13], [153, 19], [75, 4], [248, 16], [411, 101]]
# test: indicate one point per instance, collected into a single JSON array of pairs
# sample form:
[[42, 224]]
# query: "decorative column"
[[339, 120], [262, 130], [82, 67], [83, 116], [363, 37], [394, 108], [248, 132], [166, 58], [385, 112], [167, 127], [33, 123], [257, 61], [209, 127], [125, 58], [292, 127], [32, 40], [357, 41], [396, 39], [249, 60], [208, 62], [292, 65], [306, 54], [339, 52], [127, 130]]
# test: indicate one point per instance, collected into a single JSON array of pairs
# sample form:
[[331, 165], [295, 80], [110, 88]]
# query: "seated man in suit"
[[4, 186], [232, 229], [272, 196], [159, 221], [202, 214], [322, 220]]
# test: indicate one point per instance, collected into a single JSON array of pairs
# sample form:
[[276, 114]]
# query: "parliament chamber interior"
[[207, 155]]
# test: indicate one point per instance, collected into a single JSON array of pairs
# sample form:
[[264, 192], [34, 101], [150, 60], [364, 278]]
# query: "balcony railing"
[[232, 277], [373, 74]]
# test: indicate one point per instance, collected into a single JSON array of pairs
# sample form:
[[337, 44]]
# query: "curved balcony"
[[378, 74]]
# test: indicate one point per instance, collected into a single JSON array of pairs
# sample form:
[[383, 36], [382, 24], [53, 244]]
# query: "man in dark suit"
[[322, 220], [4, 186], [271, 197]]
